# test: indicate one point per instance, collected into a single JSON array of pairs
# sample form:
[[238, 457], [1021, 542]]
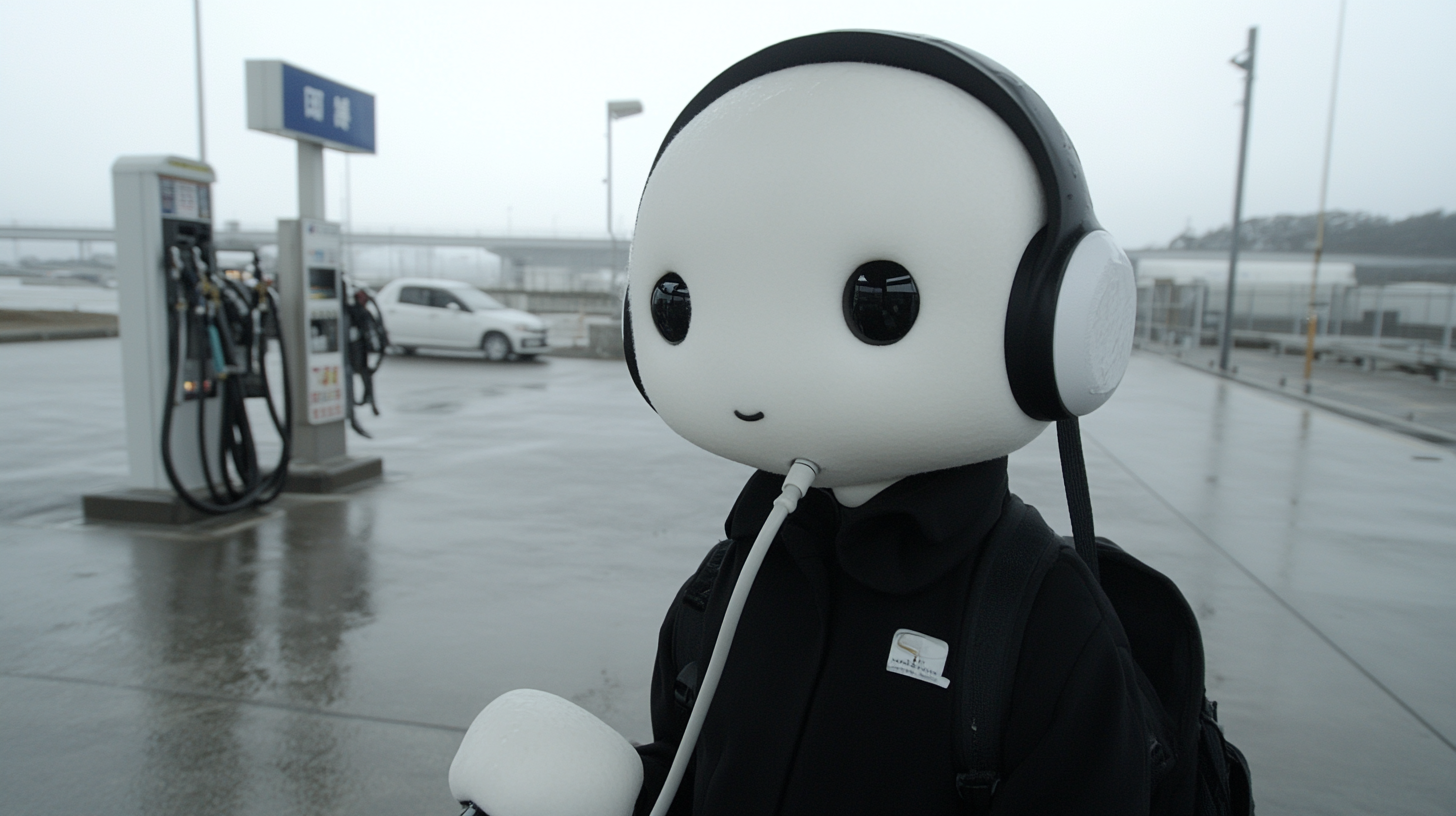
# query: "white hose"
[[796, 484]]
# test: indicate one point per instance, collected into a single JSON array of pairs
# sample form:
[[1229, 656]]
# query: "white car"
[[434, 313]]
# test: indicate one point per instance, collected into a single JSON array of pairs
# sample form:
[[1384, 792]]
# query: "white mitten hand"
[[530, 753]]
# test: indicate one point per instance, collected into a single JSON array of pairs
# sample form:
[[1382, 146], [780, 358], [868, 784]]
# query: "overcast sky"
[[491, 114]]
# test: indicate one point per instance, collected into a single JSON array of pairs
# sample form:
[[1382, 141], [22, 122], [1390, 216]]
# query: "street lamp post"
[[197, 49], [1225, 339], [1312, 318], [616, 109]]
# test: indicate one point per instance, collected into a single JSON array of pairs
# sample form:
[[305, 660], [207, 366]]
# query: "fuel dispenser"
[[318, 113], [316, 327], [311, 278], [195, 345]]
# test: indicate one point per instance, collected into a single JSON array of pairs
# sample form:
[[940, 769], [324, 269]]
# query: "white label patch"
[[919, 656]]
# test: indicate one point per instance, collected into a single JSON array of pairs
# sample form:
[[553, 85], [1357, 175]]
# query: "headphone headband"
[[1016, 104]]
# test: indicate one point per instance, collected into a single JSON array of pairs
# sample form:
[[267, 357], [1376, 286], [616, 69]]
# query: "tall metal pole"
[[616, 109], [1225, 340], [1450, 320], [310, 180], [1319, 232], [609, 171], [197, 44], [611, 234], [348, 217]]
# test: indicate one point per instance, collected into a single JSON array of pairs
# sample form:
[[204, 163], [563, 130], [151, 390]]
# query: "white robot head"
[[831, 262]]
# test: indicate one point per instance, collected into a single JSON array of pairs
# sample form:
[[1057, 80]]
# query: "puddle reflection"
[[261, 614], [198, 629], [323, 593]]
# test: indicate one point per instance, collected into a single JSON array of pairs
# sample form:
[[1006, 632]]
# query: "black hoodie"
[[807, 720]]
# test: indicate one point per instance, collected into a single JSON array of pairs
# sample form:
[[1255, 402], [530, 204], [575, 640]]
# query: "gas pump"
[[317, 112], [317, 288], [315, 321], [195, 350]]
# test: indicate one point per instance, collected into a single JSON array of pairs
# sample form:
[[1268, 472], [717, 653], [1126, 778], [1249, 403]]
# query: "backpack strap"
[[1079, 497], [1015, 558], [687, 633]]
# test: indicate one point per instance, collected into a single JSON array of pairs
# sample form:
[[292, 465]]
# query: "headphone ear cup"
[[629, 346], [1093, 330]]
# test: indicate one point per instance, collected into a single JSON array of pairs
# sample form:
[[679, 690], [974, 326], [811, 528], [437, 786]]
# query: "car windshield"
[[476, 299]]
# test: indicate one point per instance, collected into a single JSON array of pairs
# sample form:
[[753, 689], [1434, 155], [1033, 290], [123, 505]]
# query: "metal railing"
[[1408, 324], [1175, 313]]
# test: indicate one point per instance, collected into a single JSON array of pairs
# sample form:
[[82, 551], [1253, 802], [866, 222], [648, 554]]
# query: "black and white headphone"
[[1069, 321]]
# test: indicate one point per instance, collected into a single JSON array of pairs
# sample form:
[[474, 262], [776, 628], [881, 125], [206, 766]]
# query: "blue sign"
[[328, 111]]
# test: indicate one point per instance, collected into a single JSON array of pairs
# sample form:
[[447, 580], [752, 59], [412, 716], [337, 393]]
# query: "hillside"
[[1431, 235]]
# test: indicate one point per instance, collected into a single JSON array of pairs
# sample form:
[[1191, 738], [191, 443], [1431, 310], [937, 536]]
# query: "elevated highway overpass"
[[517, 253], [581, 255]]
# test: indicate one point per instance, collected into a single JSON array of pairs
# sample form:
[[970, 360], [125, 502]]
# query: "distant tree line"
[[1431, 235]]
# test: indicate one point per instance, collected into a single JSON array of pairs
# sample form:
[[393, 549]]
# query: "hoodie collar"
[[903, 539]]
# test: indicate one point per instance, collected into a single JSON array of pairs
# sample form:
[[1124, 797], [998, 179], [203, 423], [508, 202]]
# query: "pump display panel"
[[323, 323]]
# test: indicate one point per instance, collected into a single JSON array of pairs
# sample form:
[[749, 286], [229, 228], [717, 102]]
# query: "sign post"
[[317, 113]]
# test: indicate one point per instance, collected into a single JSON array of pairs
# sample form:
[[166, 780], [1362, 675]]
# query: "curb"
[[581, 352], [35, 335], [1424, 433]]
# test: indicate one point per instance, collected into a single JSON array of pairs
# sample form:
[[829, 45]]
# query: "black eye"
[[671, 309], [881, 302]]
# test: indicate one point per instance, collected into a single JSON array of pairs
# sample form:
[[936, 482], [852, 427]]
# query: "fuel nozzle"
[[174, 271]]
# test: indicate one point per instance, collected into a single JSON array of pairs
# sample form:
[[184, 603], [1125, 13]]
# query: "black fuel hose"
[[224, 329], [364, 354]]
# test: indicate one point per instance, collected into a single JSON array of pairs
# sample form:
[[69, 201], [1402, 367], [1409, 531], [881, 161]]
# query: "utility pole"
[[1226, 334], [197, 47], [1319, 234], [616, 109]]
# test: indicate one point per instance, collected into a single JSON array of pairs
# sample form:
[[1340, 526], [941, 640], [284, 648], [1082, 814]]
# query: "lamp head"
[[622, 108]]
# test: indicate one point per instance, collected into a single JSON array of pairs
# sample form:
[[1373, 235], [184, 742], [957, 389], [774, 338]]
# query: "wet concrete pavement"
[[535, 521], [1415, 403], [1320, 555]]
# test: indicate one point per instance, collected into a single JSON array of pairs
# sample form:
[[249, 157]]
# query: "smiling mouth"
[[749, 417]]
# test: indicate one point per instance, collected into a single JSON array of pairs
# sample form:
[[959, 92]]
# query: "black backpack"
[[1196, 771]]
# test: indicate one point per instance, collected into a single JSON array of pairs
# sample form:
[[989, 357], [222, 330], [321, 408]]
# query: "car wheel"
[[497, 347]]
